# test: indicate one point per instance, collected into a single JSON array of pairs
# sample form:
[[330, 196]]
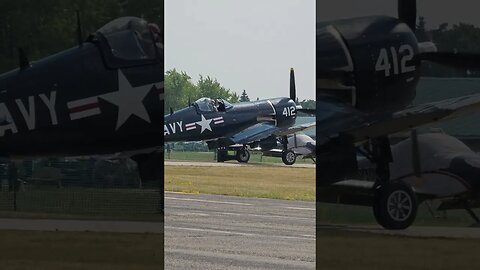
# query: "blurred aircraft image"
[[446, 170], [103, 96], [238, 127], [367, 72], [301, 145]]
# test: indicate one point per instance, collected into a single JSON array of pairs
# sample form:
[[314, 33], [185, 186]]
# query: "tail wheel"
[[289, 157], [243, 155], [395, 205]]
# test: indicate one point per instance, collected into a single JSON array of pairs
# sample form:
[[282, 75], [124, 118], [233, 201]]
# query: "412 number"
[[289, 111], [405, 53]]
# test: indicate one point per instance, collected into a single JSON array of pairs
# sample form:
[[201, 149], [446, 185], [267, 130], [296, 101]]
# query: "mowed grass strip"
[[338, 249], [288, 183], [132, 204], [80, 250], [210, 157]]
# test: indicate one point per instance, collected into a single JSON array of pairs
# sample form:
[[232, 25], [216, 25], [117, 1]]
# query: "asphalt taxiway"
[[225, 232]]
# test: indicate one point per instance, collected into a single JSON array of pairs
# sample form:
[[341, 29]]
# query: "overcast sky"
[[247, 44], [251, 44], [434, 11]]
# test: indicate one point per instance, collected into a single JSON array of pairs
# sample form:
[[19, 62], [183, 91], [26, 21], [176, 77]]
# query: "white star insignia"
[[205, 124], [129, 100]]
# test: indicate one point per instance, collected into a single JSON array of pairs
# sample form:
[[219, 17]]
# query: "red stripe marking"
[[84, 107]]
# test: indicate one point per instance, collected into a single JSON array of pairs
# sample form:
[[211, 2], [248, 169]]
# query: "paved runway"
[[226, 232], [232, 164], [223, 232]]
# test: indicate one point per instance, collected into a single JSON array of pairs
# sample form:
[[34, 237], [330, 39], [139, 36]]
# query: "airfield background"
[[466, 128], [71, 187]]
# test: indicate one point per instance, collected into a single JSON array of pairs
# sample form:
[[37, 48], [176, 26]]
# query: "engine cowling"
[[369, 62]]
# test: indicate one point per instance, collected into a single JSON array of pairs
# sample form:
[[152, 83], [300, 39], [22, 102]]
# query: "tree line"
[[181, 91], [461, 37], [45, 27]]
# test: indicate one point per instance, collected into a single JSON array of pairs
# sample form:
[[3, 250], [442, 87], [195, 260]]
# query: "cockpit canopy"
[[127, 41], [212, 105]]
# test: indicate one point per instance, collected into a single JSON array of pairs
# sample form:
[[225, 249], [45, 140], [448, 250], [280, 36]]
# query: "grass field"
[[276, 182], [209, 157], [80, 250], [131, 204], [352, 250]]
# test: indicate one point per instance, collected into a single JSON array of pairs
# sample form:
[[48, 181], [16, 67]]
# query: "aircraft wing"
[[295, 129], [264, 130], [254, 133], [346, 120]]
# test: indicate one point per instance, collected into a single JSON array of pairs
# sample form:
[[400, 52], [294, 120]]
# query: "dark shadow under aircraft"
[[225, 126], [104, 96], [367, 73]]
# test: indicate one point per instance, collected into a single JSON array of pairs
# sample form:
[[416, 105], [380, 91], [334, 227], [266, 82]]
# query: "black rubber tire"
[[289, 157], [395, 205], [243, 155]]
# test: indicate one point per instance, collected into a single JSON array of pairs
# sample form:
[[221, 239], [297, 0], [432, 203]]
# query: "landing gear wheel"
[[395, 205], [243, 155], [289, 157]]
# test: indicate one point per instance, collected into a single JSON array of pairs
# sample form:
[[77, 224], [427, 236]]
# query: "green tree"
[[49, 26], [308, 104], [209, 87], [244, 97], [234, 98], [421, 31], [179, 90], [460, 37]]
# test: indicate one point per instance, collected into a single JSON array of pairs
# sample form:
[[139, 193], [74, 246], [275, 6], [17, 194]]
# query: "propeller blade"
[[407, 12], [293, 91], [456, 60]]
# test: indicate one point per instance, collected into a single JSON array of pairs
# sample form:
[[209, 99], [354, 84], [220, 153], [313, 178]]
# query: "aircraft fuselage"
[[193, 124], [76, 103]]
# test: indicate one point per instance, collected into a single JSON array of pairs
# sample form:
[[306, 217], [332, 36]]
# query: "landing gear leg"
[[150, 168], [288, 156], [222, 154], [471, 213], [395, 203]]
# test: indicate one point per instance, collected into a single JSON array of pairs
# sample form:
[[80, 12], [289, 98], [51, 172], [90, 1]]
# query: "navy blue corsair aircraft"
[[224, 126], [367, 72], [104, 96]]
